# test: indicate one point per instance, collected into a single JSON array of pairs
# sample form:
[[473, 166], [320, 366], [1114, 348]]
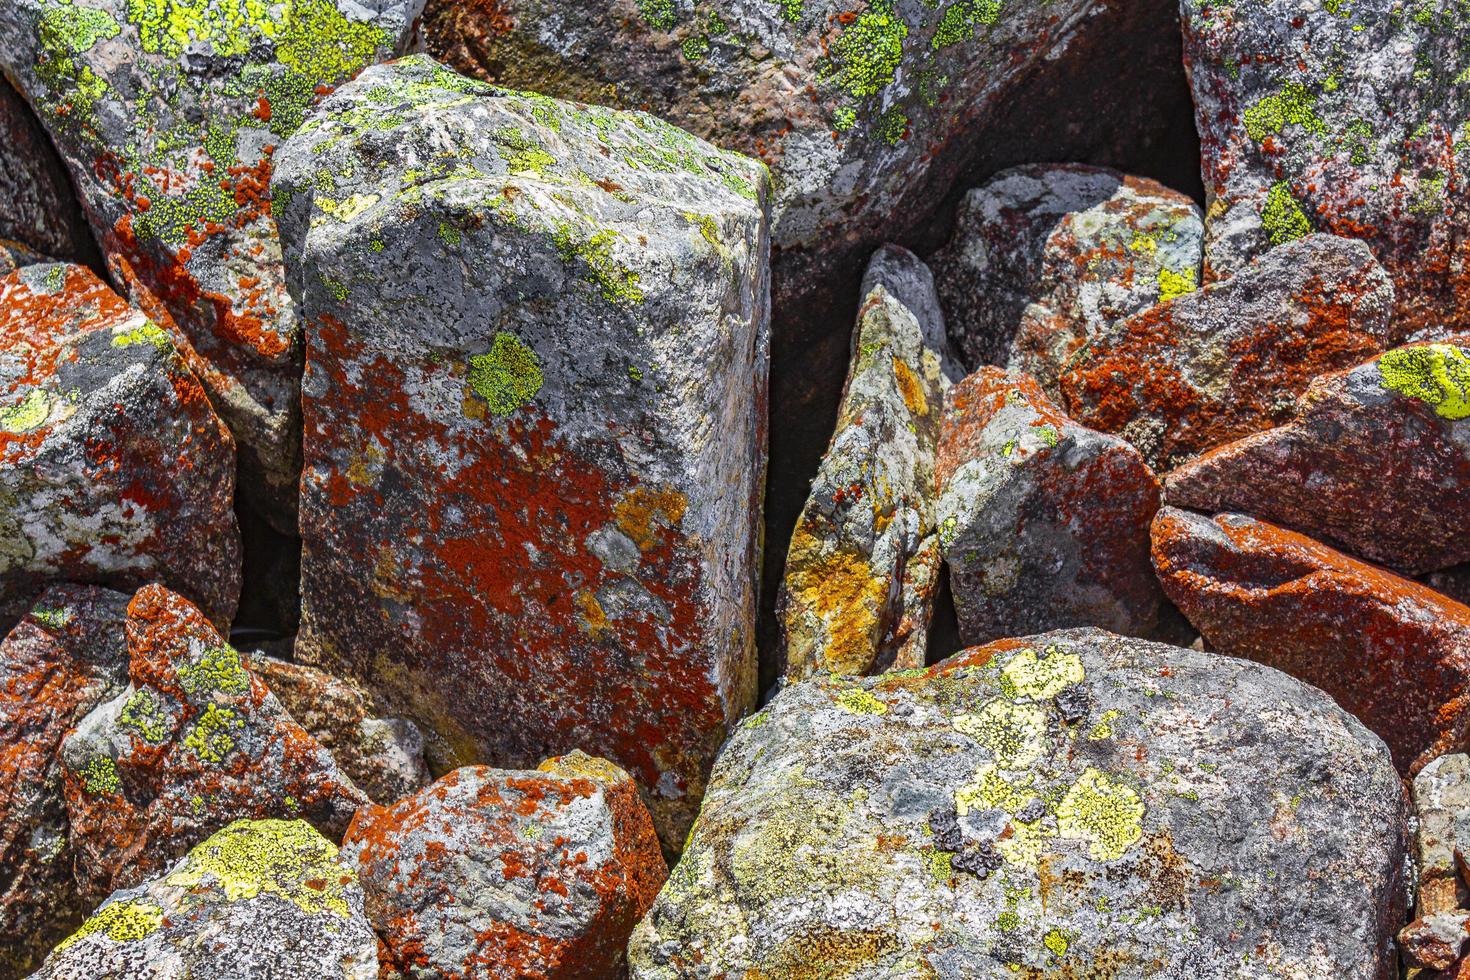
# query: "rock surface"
[[1442, 806], [525, 875], [535, 404], [1073, 804], [37, 205]]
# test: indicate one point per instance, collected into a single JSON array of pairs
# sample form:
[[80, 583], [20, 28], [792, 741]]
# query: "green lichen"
[[1038, 678], [891, 126], [959, 21], [323, 45], [1103, 812], [123, 921], [210, 738], [989, 790], [617, 284], [147, 332], [31, 413], [844, 118], [1282, 217], [1293, 105], [55, 619], [449, 235], [1057, 941], [507, 376], [216, 669], [660, 14], [144, 713], [1437, 374], [867, 54], [521, 153], [285, 858], [64, 31], [1012, 732], [1173, 284], [857, 701], [167, 27], [99, 776], [695, 48], [790, 9], [940, 864]]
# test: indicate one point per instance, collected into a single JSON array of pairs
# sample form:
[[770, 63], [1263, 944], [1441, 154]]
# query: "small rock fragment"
[[1441, 798], [1435, 941]]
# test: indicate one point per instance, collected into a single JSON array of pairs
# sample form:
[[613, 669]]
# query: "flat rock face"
[[536, 874], [1394, 653], [1376, 461], [535, 409], [1347, 119], [167, 115], [1072, 804], [113, 466], [68, 655], [1046, 256], [37, 205], [1231, 358], [260, 898], [195, 742], [1043, 523]]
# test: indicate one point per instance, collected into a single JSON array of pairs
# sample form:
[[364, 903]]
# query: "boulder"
[[16, 255], [1075, 804], [535, 405], [1442, 831], [38, 209], [114, 469]]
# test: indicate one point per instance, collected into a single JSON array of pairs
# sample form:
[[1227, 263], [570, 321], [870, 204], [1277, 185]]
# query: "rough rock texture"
[[1043, 524], [1442, 805], [1046, 256], [1345, 118], [114, 469], [37, 205], [16, 255], [1230, 359], [260, 898], [535, 410], [1392, 652], [1376, 460], [513, 875], [167, 114], [1075, 804], [61, 661], [864, 562], [1435, 941], [195, 742]]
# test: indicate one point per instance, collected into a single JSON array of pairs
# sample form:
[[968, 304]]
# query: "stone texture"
[[515, 875], [114, 469], [260, 898], [535, 410], [195, 742], [16, 255], [1348, 119], [167, 115], [37, 206], [1376, 460], [1395, 654], [1075, 804], [864, 562], [67, 656], [1435, 941], [1044, 524], [1441, 800], [1230, 359], [1046, 256]]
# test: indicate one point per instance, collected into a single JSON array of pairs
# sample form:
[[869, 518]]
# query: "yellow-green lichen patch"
[[1282, 217], [144, 713], [857, 701], [521, 153], [1437, 374], [53, 619], [147, 332], [99, 776], [1057, 941], [210, 739], [989, 790], [216, 669], [790, 854], [1014, 733], [347, 208], [123, 921], [617, 284], [1104, 727], [65, 30], [322, 45], [1103, 812], [167, 27], [1042, 678], [1173, 284], [1293, 105], [867, 55], [507, 376], [286, 858], [960, 20], [30, 413]]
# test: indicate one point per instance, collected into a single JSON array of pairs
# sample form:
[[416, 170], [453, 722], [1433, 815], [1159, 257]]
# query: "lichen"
[[144, 713], [126, 920], [867, 54], [1437, 374], [507, 376], [54, 619], [891, 126], [521, 153], [1282, 217], [147, 332], [1012, 732], [285, 858], [959, 20], [1103, 812], [99, 776], [617, 284], [660, 14], [1293, 105], [210, 738], [1041, 678], [989, 790], [216, 669], [857, 701], [31, 413], [1173, 284]]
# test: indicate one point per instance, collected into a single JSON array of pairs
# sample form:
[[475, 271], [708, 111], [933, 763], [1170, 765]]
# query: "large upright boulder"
[[535, 419]]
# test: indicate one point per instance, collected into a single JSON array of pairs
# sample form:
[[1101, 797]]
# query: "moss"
[[660, 14], [507, 376], [1437, 374], [1012, 732], [1042, 678], [127, 920], [30, 413], [144, 713], [99, 776], [959, 20], [216, 669], [867, 54], [210, 739], [285, 858], [1282, 217], [146, 332], [1103, 812], [1293, 105], [1173, 284], [857, 701]]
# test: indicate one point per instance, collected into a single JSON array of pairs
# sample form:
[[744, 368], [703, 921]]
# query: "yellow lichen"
[[122, 921], [1437, 374], [1014, 733], [989, 790], [1103, 812], [1040, 679], [286, 858], [856, 701]]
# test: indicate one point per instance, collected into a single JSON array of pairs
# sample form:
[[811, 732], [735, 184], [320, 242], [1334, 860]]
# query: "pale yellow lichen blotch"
[[286, 858], [1015, 733], [1103, 812], [1040, 679], [122, 921]]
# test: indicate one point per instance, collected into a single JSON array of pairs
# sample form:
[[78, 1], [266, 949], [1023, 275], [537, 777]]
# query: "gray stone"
[[38, 209], [1441, 796]]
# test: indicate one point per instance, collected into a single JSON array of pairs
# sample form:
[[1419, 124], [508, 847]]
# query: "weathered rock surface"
[[1044, 524], [17, 255], [535, 407], [1046, 256], [62, 660], [1344, 118], [195, 742], [260, 898], [1072, 804], [114, 469], [1376, 461], [37, 206], [526, 875], [1442, 805], [1394, 653], [167, 115], [1230, 359], [864, 562]]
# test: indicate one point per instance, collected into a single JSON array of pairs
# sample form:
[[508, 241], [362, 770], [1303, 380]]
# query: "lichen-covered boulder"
[[194, 742], [535, 420], [1394, 653], [864, 563], [38, 208], [1044, 524], [167, 114], [114, 468], [1075, 804], [259, 898], [1045, 256], [1376, 460], [517, 875], [1352, 119], [1442, 834], [68, 655]]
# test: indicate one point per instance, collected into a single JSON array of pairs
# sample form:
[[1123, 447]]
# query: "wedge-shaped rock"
[[535, 402], [1070, 804], [38, 208], [260, 898], [114, 468], [1394, 653]]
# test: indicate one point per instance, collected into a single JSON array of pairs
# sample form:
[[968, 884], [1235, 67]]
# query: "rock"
[[1376, 460], [195, 742], [38, 209], [1072, 804], [1441, 798], [17, 255], [1435, 941], [1046, 256], [1230, 359], [167, 116], [1044, 524], [531, 502], [1348, 120], [260, 898], [534, 874], [864, 563], [62, 660], [1394, 653], [114, 469]]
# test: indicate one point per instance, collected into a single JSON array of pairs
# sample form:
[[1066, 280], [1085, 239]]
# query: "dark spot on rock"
[[1074, 703]]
